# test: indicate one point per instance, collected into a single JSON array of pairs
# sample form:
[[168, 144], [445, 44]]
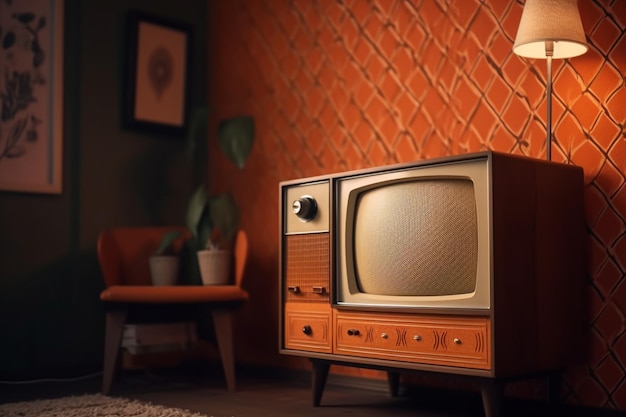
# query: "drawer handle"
[[319, 290], [457, 341], [293, 289], [353, 332], [384, 335], [307, 330], [417, 338]]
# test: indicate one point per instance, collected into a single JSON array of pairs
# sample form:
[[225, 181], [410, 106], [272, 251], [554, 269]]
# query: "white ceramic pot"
[[164, 270], [214, 266]]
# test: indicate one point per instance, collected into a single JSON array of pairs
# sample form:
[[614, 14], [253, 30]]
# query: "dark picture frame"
[[158, 72]]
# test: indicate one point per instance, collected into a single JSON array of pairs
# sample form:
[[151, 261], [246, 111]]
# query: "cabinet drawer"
[[436, 340], [308, 327]]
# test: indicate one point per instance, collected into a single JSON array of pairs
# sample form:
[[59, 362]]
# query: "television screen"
[[415, 238], [412, 236]]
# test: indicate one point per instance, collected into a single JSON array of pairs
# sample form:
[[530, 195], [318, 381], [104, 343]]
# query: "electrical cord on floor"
[[38, 381]]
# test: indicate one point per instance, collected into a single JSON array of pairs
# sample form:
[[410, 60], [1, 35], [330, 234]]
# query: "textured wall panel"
[[338, 85]]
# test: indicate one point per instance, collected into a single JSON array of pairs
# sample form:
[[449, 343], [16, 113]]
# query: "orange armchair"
[[123, 255]]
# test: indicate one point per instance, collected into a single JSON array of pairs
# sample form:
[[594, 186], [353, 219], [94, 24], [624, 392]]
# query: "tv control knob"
[[305, 208]]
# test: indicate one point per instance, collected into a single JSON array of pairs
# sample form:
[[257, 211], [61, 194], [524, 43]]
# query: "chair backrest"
[[123, 253], [241, 256]]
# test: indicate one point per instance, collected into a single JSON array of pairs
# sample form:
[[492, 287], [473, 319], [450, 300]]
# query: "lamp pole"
[[549, 53]]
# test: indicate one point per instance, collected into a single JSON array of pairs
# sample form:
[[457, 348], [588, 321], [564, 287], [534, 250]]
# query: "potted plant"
[[214, 262], [213, 220], [164, 263]]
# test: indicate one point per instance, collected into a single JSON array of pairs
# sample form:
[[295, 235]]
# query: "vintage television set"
[[470, 265]]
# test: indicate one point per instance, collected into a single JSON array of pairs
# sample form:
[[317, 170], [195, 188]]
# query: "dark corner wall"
[[51, 320]]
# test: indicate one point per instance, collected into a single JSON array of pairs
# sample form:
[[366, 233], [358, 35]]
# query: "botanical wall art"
[[31, 95], [156, 84]]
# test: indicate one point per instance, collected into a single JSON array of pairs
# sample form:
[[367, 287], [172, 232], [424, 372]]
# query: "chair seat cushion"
[[173, 294]]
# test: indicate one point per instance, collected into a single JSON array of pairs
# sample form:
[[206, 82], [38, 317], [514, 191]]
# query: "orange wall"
[[338, 85]]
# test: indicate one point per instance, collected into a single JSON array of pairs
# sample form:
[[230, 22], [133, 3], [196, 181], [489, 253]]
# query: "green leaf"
[[195, 210], [204, 228], [236, 137], [225, 215], [165, 247]]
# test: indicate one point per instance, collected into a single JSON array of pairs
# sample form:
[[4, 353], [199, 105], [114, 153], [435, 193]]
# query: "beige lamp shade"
[[550, 20]]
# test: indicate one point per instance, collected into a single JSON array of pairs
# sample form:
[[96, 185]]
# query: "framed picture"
[[158, 74], [31, 95]]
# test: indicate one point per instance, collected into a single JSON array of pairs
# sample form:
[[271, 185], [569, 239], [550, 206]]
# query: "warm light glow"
[[550, 20]]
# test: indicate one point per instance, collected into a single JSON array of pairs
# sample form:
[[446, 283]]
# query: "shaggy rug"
[[90, 406]]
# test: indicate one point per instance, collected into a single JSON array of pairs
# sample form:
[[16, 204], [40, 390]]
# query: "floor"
[[262, 393]]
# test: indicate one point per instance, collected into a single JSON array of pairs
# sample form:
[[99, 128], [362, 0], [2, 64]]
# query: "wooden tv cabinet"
[[462, 346], [534, 327]]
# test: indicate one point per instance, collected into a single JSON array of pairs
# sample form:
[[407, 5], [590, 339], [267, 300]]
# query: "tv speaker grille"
[[307, 267]]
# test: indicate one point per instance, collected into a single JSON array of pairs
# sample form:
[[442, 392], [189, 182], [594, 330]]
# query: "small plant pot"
[[164, 269], [214, 266]]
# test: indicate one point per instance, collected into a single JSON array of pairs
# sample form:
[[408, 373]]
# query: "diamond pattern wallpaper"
[[337, 85]]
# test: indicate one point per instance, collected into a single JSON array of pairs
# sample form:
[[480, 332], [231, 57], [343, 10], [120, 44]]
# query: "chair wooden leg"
[[223, 322], [115, 320]]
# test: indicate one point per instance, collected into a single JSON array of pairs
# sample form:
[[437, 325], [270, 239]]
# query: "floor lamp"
[[550, 29]]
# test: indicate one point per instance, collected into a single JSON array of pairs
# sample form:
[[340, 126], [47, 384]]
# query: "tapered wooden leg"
[[320, 375], [223, 321], [492, 393], [554, 388], [115, 320], [393, 379]]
